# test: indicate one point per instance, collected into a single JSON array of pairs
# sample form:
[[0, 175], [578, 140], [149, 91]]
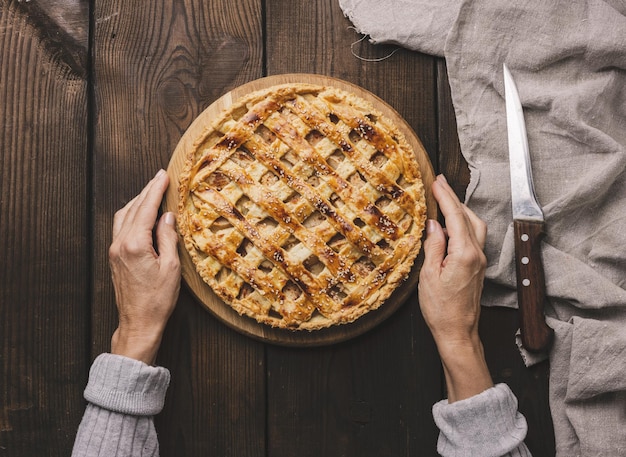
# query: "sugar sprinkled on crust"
[[302, 206]]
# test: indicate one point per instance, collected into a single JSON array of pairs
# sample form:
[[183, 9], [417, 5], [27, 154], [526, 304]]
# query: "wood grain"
[[61, 30], [43, 247], [94, 97], [530, 385], [156, 66], [147, 94], [370, 396], [449, 159]]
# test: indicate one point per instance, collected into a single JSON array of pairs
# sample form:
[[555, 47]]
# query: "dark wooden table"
[[94, 96]]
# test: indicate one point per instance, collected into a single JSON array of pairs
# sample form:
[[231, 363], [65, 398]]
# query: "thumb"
[[166, 237], [434, 245]]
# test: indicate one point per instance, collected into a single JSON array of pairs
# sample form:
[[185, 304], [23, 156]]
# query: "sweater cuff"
[[487, 424], [126, 385]]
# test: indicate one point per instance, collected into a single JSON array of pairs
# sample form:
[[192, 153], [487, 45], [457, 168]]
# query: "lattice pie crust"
[[302, 206]]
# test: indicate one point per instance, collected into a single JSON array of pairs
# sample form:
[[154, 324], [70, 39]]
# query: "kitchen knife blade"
[[528, 223]]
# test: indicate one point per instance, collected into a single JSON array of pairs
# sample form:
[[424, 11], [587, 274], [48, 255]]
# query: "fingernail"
[[442, 177], [160, 174], [169, 219], [431, 226]]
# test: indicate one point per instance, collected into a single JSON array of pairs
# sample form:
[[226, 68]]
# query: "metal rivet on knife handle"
[[536, 335], [528, 224]]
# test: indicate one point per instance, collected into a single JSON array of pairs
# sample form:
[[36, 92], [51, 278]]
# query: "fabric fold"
[[425, 24], [126, 386], [569, 62], [487, 424]]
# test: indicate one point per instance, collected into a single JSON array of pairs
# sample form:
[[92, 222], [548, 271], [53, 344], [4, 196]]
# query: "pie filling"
[[302, 207]]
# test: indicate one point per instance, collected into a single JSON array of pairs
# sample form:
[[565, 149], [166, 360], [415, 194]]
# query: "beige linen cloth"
[[569, 62]]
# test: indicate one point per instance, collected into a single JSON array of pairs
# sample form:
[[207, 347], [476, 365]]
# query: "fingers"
[[120, 216], [141, 212], [167, 239], [479, 226], [450, 206], [461, 222], [434, 246]]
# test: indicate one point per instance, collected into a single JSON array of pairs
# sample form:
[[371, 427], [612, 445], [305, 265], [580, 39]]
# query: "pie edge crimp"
[[396, 276]]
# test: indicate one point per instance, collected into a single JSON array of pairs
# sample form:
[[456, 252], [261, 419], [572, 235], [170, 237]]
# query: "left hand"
[[146, 282]]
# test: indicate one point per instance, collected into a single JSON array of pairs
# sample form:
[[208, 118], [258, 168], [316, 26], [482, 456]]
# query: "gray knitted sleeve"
[[486, 425], [123, 395]]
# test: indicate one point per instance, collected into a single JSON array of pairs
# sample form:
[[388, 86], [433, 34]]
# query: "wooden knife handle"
[[531, 286]]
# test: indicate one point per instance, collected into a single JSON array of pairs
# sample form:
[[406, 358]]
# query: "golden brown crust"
[[302, 206]]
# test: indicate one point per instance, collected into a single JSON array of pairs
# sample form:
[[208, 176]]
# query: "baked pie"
[[302, 206]]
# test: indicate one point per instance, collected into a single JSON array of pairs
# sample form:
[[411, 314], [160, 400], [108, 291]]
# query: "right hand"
[[450, 286], [451, 279]]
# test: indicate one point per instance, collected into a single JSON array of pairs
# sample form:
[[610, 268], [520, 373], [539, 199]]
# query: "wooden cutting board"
[[244, 324]]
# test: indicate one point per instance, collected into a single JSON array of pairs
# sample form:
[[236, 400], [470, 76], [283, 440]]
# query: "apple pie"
[[302, 206]]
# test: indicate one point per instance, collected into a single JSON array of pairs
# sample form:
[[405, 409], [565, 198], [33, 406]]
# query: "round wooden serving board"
[[223, 311]]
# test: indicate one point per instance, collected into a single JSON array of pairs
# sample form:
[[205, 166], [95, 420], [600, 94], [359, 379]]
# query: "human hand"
[[451, 279], [146, 282], [450, 286]]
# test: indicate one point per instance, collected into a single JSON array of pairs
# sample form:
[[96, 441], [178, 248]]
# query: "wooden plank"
[[372, 395], [530, 385], [61, 28], [369, 396], [215, 404], [43, 221], [157, 65], [450, 160], [305, 37]]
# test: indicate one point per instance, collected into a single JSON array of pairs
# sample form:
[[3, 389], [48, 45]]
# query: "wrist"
[[142, 347], [458, 347], [465, 369]]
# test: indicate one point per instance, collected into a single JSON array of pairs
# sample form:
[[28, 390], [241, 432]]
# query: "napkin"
[[568, 59]]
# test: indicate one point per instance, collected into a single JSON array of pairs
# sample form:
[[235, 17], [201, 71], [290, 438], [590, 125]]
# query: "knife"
[[528, 223]]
